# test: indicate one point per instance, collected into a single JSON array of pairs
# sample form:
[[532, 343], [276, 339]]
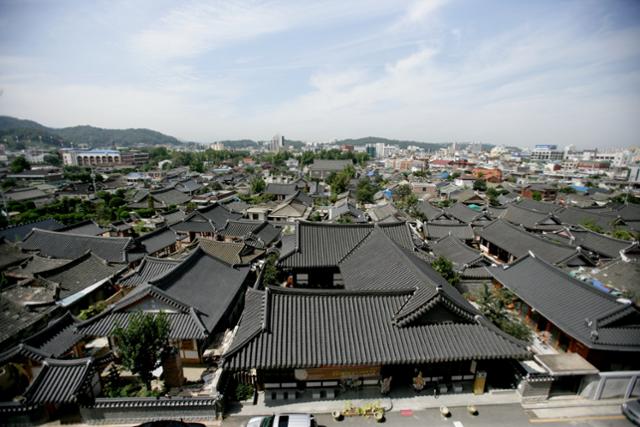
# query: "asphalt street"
[[489, 416]]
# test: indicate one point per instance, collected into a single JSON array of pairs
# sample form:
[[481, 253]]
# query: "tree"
[[53, 159], [365, 191], [257, 185], [151, 204], [339, 181], [536, 195], [480, 185], [445, 268], [493, 305], [19, 164], [143, 343], [270, 272]]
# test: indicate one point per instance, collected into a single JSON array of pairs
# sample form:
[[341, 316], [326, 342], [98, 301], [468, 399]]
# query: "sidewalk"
[[392, 403]]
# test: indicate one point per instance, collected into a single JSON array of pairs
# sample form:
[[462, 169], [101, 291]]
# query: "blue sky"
[[501, 72]]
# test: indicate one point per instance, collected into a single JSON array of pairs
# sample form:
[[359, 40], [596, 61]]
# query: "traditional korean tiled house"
[[394, 317], [311, 258], [205, 222], [202, 296], [506, 242], [573, 315]]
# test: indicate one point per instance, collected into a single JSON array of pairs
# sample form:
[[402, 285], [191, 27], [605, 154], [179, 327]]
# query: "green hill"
[[16, 133]]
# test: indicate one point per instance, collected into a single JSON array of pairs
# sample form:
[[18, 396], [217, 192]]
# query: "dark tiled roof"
[[59, 381], [149, 268], [10, 255], [580, 310], [629, 212], [429, 211], [530, 219], [325, 245], [538, 206], [80, 273], [456, 251], [37, 264], [182, 325], [378, 263], [188, 186], [577, 216], [219, 214], [86, 228], [15, 318], [434, 231], [70, 246], [173, 217], [170, 196], [184, 321], [621, 275], [23, 351], [281, 189], [57, 337], [205, 283], [496, 212], [264, 231], [15, 233], [330, 165], [519, 242], [603, 246], [293, 328], [157, 240], [229, 252], [465, 214]]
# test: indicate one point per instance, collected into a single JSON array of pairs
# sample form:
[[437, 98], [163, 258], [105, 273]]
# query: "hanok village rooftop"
[[301, 293]]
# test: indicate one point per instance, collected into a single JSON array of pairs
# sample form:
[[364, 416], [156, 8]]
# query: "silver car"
[[283, 420], [631, 410]]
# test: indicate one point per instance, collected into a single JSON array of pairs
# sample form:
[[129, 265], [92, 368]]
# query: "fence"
[[611, 385], [143, 409]]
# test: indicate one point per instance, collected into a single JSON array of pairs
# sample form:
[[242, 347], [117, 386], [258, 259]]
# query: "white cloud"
[[420, 9], [195, 27]]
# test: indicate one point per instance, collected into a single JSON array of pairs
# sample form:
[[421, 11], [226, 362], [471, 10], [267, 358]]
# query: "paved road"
[[489, 416]]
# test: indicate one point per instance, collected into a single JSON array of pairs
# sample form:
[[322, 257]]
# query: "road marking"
[[570, 419], [457, 424], [406, 412]]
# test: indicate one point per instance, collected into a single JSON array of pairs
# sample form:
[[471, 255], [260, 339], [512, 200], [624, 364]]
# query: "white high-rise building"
[[277, 143]]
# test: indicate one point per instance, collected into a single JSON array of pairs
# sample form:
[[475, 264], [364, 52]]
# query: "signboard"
[[337, 373]]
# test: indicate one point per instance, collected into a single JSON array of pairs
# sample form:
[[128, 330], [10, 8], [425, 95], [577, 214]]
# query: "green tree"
[[480, 185], [151, 204], [53, 159], [19, 164], [270, 272], [493, 305], [143, 343], [536, 195], [339, 181], [257, 185], [445, 268], [366, 190]]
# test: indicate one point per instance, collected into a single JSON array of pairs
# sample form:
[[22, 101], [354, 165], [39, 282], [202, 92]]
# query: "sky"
[[504, 72]]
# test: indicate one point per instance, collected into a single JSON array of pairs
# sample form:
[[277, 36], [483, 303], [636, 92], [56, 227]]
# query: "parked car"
[[631, 410], [283, 420]]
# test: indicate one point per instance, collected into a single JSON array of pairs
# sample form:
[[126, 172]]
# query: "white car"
[[283, 420]]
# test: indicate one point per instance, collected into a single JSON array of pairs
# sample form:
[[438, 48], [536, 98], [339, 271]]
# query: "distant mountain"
[[16, 132], [431, 146]]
